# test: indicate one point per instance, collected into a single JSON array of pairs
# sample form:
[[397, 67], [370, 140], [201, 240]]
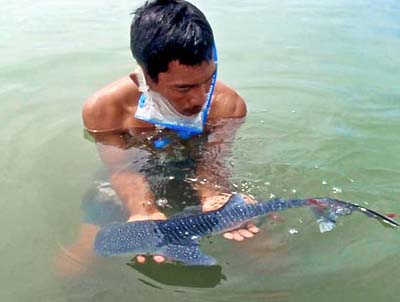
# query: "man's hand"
[[153, 216], [247, 231]]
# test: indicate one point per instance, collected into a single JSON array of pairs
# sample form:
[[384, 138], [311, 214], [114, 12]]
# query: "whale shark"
[[177, 238]]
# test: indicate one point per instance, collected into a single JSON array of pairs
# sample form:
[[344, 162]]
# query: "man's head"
[[173, 43], [163, 31]]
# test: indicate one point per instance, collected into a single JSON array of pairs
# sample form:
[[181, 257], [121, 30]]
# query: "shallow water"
[[321, 83]]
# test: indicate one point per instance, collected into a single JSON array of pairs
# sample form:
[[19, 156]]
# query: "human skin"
[[109, 114]]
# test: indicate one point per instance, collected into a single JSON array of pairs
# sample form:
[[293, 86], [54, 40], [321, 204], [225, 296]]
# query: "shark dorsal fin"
[[234, 201], [188, 211]]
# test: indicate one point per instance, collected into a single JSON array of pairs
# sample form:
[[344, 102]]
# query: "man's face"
[[185, 87]]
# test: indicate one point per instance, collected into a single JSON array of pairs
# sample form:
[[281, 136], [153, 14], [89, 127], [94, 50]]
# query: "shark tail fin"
[[328, 210]]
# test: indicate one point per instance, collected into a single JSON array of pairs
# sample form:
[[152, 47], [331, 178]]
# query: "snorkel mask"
[[156, 109]]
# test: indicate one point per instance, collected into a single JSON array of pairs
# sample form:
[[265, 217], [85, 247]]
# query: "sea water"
[[321, 82]]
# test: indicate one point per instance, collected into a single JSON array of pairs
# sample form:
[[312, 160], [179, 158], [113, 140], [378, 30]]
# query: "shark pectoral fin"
[[188, 254]]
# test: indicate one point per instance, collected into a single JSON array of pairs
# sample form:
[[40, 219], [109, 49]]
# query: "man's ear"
[[149, 80]]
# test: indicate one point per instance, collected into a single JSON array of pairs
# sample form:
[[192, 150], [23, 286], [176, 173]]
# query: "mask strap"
[[143, 87], [212, 86]]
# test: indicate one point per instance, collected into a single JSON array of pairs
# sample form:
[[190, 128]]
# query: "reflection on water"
[[180, 275]]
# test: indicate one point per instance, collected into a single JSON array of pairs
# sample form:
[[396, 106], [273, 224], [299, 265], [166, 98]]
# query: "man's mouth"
[[192, 111]]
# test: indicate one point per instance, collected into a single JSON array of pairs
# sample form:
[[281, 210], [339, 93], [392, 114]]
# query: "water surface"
[[321, 83]]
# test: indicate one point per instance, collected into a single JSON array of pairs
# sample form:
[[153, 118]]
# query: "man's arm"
[[227, 114], [129, 184], [213, 170]]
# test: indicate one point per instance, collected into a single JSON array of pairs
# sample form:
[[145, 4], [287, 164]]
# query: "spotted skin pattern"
[[177, 238]]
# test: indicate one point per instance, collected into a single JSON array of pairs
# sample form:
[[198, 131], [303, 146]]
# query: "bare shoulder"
[[227, 103], [109, 107]]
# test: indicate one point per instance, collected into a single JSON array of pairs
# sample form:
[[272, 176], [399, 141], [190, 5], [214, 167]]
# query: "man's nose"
[[198, 95]]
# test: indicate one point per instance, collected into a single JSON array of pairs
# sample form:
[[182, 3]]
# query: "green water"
[[321, 79]]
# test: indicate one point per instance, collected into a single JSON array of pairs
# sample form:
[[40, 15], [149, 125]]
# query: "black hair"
[[166, 30]]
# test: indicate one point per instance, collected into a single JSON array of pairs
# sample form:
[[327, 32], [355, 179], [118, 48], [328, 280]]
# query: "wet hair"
[[167, 30]]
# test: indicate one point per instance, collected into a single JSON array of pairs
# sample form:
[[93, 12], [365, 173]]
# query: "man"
[[171, 105]]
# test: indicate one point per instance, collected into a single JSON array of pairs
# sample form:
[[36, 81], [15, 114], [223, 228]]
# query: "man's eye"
[[183, 89]]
